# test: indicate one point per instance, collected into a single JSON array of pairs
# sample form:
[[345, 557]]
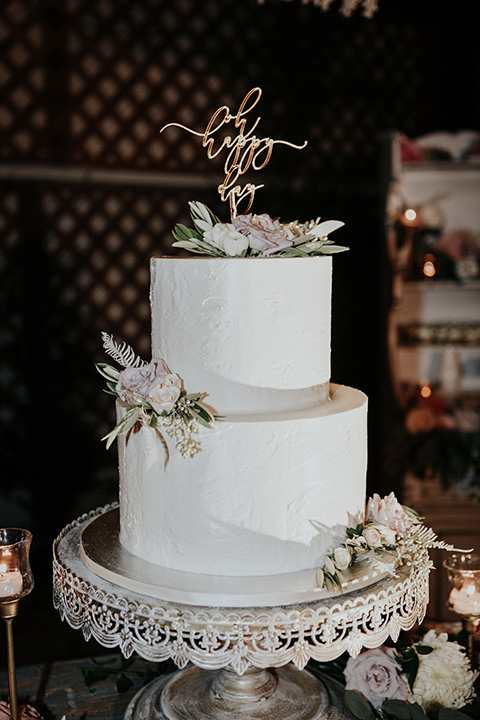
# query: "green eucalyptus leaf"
[[107, 371], [451, 714], [123, 683], [424, 649], [397, 708], [358, 706], [331, 249], [93, 675], [125, 424], [189, 245], [202, 413], [411, 670], [196, 416], [182, 232], [417, 712], [111, 392]]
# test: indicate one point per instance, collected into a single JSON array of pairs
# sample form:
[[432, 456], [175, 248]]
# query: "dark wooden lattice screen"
[[90, 189]]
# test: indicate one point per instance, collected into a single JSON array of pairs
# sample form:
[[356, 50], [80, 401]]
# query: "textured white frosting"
[[254, 333], [266, 494]]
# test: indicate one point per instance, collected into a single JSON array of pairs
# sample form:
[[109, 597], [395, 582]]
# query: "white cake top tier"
[[254, 333]]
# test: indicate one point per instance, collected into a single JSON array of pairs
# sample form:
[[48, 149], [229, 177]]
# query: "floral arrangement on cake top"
[[154, 397], [391, 535], [254, 235], [429, 679]]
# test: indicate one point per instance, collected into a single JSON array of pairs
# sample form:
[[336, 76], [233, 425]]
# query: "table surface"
[[57, 689]]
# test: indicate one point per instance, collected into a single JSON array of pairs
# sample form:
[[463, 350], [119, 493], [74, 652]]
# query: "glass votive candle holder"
[[463, 572], [16, 579]]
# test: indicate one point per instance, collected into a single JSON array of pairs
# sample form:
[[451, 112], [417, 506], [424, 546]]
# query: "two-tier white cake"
[[281, 474]]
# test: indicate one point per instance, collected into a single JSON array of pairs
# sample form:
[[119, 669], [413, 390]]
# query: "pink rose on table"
[[135, 383], [388, 511], [165, 392], [374, 674], [25, 712], [264, 234]]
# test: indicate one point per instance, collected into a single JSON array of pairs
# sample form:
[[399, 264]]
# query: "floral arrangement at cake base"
[[390, 535], [428, 680]]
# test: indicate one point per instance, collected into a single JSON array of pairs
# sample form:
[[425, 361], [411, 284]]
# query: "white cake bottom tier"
[[265, 495]]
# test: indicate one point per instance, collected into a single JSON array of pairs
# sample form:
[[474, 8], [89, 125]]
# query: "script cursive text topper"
[[245, 150]]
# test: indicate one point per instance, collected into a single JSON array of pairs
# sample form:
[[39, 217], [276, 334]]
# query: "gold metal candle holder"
[[464, 575], [16, 581]]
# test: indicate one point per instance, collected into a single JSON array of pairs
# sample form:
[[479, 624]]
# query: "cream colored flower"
[[225, 237], [389, 536], [444, 677], [372, 536], [164, 393], [342, 558]]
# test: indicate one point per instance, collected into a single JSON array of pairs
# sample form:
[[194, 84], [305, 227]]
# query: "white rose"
[[341, 558], [374, 674], [164, 393], [444, 677], [372, 536], [388, 535], [226, 237]]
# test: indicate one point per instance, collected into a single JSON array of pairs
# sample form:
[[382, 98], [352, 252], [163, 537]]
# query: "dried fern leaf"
[[123, 354]]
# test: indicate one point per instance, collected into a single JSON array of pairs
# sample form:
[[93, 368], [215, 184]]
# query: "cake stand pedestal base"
[[225, 649], [275, 694]]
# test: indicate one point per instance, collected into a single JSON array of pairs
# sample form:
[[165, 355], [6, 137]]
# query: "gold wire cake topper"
[[246, 149]]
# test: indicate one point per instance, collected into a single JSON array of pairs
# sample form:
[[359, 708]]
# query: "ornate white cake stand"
[[247, 663]]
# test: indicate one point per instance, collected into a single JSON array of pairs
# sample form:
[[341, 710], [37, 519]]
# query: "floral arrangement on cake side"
[[391, 535], [427, 680], [254, 235], [154, 397]]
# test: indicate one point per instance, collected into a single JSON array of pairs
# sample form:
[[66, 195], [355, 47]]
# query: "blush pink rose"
[[264, 234], [134, 383], [164, 393], [372, 536], [388, 511], [374, 674]]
